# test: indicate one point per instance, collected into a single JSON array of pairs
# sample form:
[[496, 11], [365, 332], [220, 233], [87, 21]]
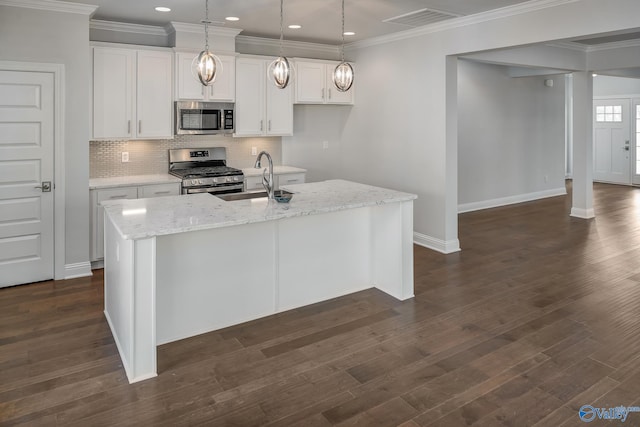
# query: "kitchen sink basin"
[[280, 195]]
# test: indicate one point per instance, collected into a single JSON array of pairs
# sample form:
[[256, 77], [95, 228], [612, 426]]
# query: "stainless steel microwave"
[[204, 118]]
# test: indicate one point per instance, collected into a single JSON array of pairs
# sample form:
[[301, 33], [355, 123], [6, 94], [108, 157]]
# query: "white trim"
[[503, 12], [583, 213], [287, 44], [173, 27], [79, 269], [51, 5], [511, 200], [59, 198], [613, 45], [96, 24], [439, 245]]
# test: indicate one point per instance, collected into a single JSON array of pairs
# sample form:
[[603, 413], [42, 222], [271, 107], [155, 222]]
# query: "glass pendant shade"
[[343, 76], [206, 67], [281, 72]]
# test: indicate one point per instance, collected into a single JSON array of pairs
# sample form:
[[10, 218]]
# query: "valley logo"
[[588, 413]]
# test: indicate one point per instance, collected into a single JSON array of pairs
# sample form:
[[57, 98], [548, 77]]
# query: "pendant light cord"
[[342, 30], [281, 26], [206, 25]]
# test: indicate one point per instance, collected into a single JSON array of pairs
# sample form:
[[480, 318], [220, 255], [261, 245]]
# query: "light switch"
[[125, 156]]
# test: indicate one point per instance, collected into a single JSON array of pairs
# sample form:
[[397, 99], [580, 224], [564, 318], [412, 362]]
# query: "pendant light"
[[343, 73], [280, 69], [205, 64]]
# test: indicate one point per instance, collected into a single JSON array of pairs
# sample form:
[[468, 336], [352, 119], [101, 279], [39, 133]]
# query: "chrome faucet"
[[267, 182]]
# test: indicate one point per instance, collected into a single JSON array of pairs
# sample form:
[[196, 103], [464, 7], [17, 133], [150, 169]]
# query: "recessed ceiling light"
[[594, 75], [349, 33], [232, 18], [295, 26], [162, 9]]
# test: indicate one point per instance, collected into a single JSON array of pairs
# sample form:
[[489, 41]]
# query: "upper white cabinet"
[[314, 84], [132, 97], [261, 108], [190, 88]]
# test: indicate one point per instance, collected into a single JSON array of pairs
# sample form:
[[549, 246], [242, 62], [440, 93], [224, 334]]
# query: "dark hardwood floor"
[[537, 316]]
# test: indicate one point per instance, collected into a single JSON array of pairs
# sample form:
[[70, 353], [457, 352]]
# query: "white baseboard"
[[583, 213], [439, 245], [511, 200], [80, 269]]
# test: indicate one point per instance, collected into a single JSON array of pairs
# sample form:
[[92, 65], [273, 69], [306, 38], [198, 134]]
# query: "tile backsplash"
[[152, 157]]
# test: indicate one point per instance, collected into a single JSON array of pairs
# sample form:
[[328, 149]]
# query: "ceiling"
[[320, 19]]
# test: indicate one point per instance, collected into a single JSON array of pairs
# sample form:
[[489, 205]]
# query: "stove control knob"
[[229, 179], [194, 182], [235, 178], [200, 182]]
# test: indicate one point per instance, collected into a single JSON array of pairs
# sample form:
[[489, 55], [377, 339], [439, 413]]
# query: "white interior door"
[[635, 151], [26, 161], [611, 139]]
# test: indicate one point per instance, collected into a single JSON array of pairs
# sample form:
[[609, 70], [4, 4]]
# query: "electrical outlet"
[[325, 144], [254, 151], [125, 156]]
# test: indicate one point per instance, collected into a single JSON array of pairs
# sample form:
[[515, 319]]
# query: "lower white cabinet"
[[254, 183], [135, 192]]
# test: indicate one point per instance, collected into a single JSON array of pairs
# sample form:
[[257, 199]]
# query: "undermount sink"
[[279, 195]]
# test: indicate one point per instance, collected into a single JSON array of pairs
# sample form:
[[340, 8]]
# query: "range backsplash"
[[152, 157]]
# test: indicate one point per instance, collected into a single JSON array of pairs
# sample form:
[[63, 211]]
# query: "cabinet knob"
[[129, 126]]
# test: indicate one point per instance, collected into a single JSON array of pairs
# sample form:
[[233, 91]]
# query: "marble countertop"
[[277, 170], [143, 218], [131, 180]]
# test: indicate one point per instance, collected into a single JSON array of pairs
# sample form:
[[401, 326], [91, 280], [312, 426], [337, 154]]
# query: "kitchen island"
[[179, 266]]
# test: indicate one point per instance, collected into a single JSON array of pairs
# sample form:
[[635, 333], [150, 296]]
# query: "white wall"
[[40, 36], [510, 133], [615, 86]]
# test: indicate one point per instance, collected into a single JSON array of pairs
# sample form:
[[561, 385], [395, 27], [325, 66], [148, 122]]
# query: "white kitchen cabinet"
[[190, 88], [97, 215], [261, 108], [254, 182], [158, 190], [98, 196], [132, 96], [290, 178], [314, 84]]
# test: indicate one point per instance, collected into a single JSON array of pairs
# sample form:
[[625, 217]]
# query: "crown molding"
[[96, 24], [287, 44], [504, 12], [614, 45], [568, 45], [53, 6], [173, 27]]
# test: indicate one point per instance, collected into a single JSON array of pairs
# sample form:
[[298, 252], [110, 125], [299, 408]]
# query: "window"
[[609, 113]]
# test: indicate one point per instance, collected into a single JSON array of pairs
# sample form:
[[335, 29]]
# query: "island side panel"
[[323, 256], [211, 279], [392, 249], [129, 301]]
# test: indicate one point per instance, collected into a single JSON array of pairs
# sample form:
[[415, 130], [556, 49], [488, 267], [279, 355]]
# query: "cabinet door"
[[279, 110], [113, 86], [154, 96], [97, 215], [224, 88], [158, 190], [250, 97], [309, 82], [189, 87]]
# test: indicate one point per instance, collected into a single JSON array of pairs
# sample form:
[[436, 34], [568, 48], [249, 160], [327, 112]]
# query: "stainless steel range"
[[205, 170]]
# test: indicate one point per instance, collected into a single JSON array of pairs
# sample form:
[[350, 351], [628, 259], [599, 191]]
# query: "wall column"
[[451, 157], [582, 205]]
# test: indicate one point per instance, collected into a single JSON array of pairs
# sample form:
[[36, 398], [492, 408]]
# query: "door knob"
[[45, 187]]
